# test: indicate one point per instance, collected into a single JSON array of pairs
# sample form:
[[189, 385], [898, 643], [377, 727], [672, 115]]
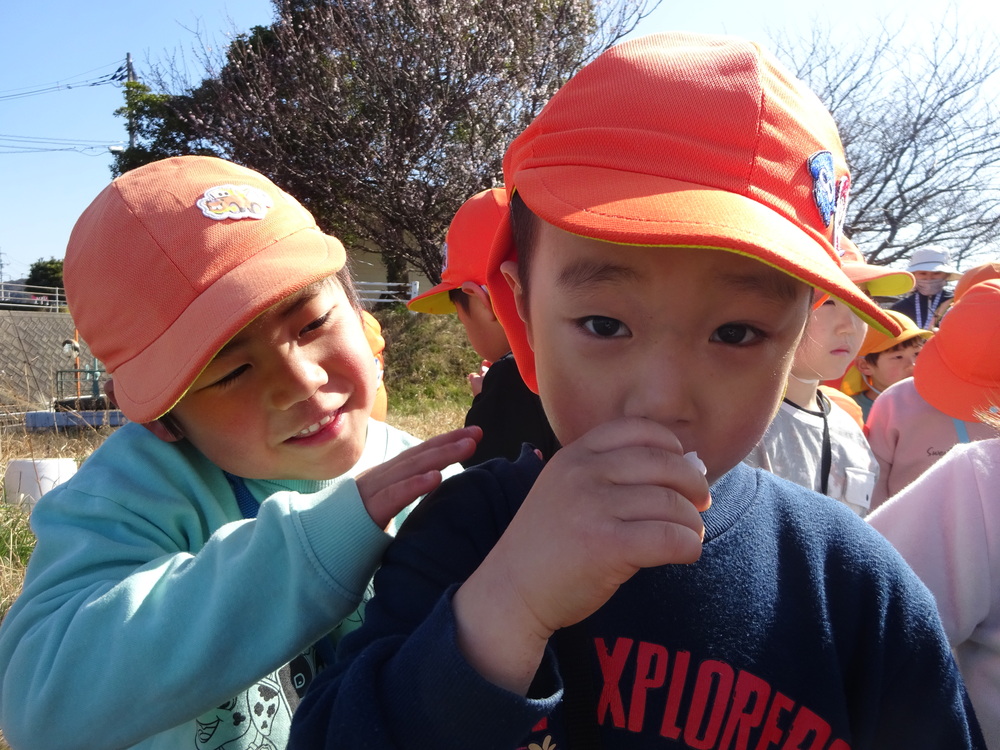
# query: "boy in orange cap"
[[673, 203], [883, 360], [509, 413], [185, 579]]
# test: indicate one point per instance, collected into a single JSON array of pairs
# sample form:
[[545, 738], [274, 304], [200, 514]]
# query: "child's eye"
[[318, 323], [737, 334], [604, 327], [231, 377]]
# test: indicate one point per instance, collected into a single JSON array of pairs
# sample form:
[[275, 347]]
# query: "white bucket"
[[27, 479]]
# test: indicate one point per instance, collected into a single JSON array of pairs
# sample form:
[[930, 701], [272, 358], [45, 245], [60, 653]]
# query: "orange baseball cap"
[[172, 259], [973, 276], [878, 281], [466, 249], [686, 140], [876, 341], [958, 370]]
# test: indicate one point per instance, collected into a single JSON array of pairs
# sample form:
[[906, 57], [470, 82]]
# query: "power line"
[[25, 144], [120, 75]]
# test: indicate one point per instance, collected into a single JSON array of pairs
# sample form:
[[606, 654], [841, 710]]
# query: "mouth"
[[314, 427], [317, 430]]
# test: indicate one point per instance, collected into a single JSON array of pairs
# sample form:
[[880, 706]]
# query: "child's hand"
[[620, 498], [476, 378], [389, 487]]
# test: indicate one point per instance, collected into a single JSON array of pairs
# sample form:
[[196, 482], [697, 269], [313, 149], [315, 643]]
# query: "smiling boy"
[[185, 580], [672, 205]]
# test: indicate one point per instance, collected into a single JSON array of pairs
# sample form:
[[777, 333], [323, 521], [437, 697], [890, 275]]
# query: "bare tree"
[[383, 116], [921, 133]]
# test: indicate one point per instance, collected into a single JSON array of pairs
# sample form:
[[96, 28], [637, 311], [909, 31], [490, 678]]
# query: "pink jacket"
[[907, 435]]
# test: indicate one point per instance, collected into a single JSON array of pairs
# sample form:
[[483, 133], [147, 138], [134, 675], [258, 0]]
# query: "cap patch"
[[234, 202], [824, 184], [444, 258]]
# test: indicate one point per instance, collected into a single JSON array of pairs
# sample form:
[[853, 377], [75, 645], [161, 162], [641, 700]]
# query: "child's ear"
[[864, 366], [480, 295], [511, 273], [166, 428]]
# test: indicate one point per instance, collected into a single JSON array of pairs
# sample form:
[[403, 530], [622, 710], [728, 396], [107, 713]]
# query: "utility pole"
[[131, 117]]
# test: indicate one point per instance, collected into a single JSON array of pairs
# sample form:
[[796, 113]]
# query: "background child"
[[672, 204], [875, 281], [883, 360], [932, 269], [914, 423], [509, 413], [184, 564], [947, 522], [812, 441]]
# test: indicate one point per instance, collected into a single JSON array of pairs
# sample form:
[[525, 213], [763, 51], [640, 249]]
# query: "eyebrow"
[[775, 285], [581, 274]]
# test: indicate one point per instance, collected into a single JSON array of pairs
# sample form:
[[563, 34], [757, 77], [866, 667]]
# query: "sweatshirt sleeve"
[[142, 608]]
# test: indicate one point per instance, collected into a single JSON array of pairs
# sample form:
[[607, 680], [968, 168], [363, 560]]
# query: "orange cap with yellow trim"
[[686, 140], [172, 259]]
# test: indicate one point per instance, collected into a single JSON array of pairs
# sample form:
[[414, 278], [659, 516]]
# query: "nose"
[[660, 388], [296, 377]]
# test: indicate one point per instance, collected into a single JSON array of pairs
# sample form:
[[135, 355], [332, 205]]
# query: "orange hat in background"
[[973, 276], [466, 249], [172, 259], [958, 370], [686, 140], [876, 342], [878, 281]]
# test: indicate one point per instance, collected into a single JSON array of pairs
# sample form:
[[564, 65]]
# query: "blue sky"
[[42, 192]]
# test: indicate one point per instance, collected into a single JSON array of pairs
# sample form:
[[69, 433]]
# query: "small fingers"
[[384, 504], [647, 544]]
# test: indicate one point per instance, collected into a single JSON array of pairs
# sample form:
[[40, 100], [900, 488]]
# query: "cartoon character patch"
[[824, 184], [234, 202]]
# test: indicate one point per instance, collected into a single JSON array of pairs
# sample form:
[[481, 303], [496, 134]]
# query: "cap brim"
[[434, 300], [901, 338], [673, 214], [879, 281], [953, 274], [940, 387], [150, 384]]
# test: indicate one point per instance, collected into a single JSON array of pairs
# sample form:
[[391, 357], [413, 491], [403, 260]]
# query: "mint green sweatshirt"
[[154, 615]]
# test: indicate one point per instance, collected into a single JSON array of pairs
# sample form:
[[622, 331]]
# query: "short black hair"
[[524, 228], [459, 299], [872, 358]]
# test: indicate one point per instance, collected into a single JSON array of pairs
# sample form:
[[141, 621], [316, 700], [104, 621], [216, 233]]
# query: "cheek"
[[574, 398]]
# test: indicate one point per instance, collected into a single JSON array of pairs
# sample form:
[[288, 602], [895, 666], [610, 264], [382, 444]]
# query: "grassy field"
[[427, 359]]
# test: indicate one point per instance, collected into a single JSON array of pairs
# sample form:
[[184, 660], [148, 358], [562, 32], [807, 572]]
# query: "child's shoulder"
[[490, 493]]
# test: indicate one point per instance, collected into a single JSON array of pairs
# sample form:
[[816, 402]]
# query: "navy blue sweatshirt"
[[799, 627]]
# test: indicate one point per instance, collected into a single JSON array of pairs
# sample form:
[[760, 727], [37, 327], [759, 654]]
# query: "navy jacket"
[[799, 627]]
